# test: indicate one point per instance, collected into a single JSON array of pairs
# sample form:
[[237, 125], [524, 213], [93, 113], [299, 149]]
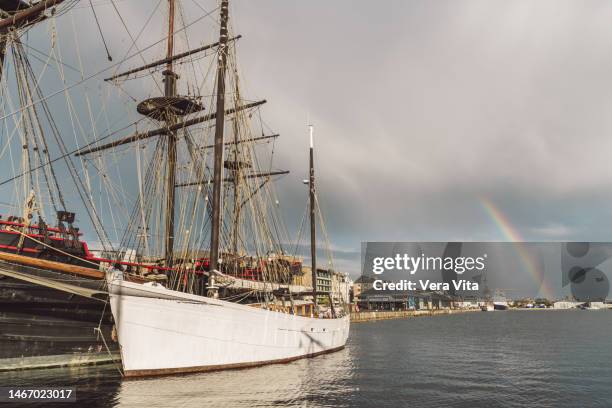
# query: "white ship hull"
[[161, 331]]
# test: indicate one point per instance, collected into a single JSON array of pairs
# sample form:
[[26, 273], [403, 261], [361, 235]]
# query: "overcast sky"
[[424, 110]]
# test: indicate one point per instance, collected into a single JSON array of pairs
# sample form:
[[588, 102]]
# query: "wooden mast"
[[3, 34], [236, 220], [2, 52], [236, 175], [218, 149], [170, 91], [26, 15], [313, 238]]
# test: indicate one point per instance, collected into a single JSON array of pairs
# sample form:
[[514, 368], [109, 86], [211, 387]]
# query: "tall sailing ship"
[[52, 291], [200, 275]]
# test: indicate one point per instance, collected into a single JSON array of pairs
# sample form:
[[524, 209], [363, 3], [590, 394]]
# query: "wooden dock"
[[62, 360]]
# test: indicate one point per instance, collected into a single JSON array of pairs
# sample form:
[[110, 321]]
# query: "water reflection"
[[96, 386], [502, 359], [322, 381]]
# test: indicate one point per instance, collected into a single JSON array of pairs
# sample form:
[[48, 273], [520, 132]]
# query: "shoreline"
[[370, 316]]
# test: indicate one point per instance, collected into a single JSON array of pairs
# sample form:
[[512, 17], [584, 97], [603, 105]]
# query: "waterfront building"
[[566, 304], [324, 280], [362, 284], [303, 277], [471, 302], [373, 299], [341, 286], [329, 281]]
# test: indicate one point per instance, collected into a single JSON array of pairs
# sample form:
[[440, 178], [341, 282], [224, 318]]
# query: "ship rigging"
[[198, 220]]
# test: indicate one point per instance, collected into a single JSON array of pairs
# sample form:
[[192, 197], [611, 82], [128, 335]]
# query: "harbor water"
[[493, 359]]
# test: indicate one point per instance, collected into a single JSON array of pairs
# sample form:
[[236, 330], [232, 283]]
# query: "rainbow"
[[512, 234]]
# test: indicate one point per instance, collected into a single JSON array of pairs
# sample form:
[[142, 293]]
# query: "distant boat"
[[499, 301], [592, 306], [487, 307]]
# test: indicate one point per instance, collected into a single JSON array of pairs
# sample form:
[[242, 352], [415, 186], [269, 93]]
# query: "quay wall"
[[368, 316], [61, 360]]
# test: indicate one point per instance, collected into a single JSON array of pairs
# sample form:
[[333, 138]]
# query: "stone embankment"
[[367, 316]]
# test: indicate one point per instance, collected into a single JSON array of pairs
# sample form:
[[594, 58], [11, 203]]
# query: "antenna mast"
[[313, 237]]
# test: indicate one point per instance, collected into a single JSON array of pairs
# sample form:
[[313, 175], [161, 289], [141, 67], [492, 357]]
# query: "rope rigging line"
[[134, 44], [93, 10], [253, 232], [101, 71], [81, 188], [71, 152], [27, 69]]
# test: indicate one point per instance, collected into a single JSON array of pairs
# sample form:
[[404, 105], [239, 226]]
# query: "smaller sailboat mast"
[[313, 237]]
